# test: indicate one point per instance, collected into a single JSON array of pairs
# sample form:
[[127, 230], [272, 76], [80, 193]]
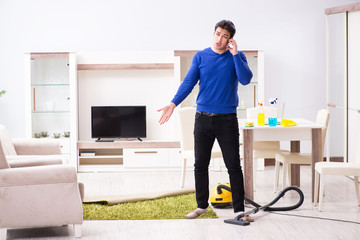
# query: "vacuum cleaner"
[[221, 197]]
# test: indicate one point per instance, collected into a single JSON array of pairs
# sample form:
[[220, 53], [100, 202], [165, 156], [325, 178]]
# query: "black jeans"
[[225, 129]]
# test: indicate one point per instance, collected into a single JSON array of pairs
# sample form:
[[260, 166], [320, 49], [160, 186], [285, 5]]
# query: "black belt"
[[216, 114]]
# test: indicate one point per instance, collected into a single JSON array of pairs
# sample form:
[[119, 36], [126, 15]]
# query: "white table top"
[[301, 123], [302, 131]]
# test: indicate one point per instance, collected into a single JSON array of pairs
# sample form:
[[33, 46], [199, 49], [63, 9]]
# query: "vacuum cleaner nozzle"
[[237, 221]]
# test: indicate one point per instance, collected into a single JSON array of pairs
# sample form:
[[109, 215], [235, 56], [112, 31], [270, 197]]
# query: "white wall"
[[291, 32]]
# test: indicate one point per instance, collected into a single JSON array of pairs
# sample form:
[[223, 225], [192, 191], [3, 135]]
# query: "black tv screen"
[[118, 121]]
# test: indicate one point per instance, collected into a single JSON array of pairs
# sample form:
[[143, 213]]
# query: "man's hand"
[[233, 50], [166, 113]]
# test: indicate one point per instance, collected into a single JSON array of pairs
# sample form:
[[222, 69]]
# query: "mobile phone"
[[231, 46]]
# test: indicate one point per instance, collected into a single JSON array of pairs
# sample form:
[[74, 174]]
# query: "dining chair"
[[287, 158], [186, 116], [336, 169]]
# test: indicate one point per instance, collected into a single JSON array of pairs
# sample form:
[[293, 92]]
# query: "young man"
[[219, 69]]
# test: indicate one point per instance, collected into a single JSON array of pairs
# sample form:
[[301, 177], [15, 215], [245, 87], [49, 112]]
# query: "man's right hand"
[[166, 113]]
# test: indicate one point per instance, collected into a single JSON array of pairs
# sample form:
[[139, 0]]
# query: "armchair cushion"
[[33, 146], [30, 146], [28, 152]]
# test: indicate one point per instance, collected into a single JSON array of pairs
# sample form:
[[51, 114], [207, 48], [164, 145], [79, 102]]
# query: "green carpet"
[[175, 207]]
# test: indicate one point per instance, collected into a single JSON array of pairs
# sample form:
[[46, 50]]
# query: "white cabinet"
[[126, 155], [95, 159], [336, 86], [353, 83], [148, 157], [50, 94], [343, 81], [248, 95]]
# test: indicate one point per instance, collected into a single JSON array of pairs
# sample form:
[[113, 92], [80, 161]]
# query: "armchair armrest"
[[16, 161], [52, 174], [37, 146]]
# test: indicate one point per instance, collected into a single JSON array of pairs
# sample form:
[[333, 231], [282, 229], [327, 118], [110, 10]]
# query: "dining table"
[[305, 130]]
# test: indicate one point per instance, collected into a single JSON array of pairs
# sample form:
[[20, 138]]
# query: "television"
[[118, 122]]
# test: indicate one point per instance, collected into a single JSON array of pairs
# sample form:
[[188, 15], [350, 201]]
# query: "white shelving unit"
[[51, 97], [343, 74]]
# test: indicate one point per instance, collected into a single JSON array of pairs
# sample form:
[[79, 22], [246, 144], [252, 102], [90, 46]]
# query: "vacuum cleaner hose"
[[222, 186], [238, 219], [288, 208]]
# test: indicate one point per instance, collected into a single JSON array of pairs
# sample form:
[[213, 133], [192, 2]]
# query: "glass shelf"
[[50, 84], [50, 111]]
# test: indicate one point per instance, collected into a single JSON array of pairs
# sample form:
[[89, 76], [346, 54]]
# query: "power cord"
[[321, 218]]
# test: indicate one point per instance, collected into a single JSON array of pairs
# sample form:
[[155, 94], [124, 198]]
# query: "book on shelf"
[[87, 154]]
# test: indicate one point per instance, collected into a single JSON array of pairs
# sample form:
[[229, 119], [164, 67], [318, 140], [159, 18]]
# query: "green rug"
[[175, 207]]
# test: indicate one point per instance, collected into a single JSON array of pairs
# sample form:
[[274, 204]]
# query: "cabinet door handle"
[[331, 105], [146, 152]]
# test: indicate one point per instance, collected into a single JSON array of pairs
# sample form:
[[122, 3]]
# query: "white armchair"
[[30, 152], [36, 190]]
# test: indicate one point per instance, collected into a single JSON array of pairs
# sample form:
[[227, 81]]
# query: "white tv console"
[[127, 155]]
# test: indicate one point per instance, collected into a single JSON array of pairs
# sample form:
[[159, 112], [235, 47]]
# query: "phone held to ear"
[[231, 46]]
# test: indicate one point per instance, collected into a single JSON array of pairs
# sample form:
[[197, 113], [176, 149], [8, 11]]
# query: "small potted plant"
[[2, 92]]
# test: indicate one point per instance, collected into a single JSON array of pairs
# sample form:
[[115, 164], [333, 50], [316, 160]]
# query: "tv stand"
[[104, 140], [96, 156]]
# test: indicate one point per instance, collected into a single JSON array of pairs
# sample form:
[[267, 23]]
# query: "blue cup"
[[272, 122]]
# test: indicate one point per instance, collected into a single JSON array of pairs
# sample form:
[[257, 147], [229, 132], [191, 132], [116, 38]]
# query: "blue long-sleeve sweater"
[[219, 75]]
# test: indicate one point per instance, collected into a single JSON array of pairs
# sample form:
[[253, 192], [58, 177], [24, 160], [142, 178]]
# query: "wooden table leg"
[[248, 163], [295, 168], [317, 154]]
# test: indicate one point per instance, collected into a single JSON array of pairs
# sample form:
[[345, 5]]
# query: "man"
[[219, 69]]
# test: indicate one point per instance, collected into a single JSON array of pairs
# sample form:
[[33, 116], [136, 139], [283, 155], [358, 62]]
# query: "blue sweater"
[[219, 75]]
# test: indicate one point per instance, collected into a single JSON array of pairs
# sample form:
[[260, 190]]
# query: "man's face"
[[220, 39]]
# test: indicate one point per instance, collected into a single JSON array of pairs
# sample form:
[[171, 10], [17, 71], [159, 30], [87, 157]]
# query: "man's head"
[[224, 31], [228, 26]]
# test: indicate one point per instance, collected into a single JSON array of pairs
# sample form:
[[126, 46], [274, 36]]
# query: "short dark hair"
[[228, 26]]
